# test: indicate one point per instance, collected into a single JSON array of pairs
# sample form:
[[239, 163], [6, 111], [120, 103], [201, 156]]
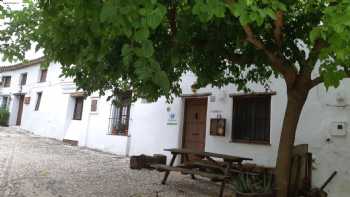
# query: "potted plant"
[[114, 131], [253, 185]]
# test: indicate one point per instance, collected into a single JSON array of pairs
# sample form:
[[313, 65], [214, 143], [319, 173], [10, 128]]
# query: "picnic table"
[[214, 166]]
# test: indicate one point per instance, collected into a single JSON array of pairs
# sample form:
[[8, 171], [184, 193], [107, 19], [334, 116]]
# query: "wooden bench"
[[194, 171], [208, 167]]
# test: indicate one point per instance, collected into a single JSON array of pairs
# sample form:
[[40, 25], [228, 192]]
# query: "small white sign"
[[172, 119]]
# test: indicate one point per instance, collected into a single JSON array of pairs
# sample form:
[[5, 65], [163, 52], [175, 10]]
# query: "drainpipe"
[[128, 144], [87, 130]]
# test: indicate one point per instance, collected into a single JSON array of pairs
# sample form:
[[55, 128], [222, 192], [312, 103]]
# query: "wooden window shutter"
[[23, 79], [38, 101], [251, 119], [43, 75]]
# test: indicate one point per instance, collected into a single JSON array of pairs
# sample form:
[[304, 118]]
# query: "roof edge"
[[22, 64]]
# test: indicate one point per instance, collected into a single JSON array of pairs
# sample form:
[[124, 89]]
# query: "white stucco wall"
[[149, 130], [150, 133], [97, 134], [49, 120]]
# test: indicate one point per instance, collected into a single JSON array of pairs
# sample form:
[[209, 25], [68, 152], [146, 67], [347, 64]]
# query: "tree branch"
[[315, 52], [172, 18], [310, 63], [239, 59], [278, 28], [289, 73], [252, 39], [315, 82], [298, 55]]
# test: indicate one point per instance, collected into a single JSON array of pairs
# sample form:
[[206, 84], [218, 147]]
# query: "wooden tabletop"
[[207, 154]]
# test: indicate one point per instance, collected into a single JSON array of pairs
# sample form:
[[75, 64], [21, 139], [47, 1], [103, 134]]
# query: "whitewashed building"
[[45, 104]]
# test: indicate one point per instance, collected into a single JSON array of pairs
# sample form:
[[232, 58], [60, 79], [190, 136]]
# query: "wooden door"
[[20, 110], [195, 124]]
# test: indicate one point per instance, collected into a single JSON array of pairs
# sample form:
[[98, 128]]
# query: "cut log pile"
[[145, 161]]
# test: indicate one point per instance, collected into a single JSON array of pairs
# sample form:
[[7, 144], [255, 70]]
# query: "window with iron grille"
[[78, 108], [120, 115], [6, 81], [5, 102], [251, 119], [23, 79]]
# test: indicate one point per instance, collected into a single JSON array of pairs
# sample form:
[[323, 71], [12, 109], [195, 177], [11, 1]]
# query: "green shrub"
[[4, 116]]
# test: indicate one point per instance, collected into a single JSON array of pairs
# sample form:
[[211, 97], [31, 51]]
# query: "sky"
[[31, 54]]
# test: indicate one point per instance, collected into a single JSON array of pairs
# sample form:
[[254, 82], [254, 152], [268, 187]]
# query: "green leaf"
[[161, 79], [197, 8], [148, 48], [315, 34], [126, 49], [156, 17], [127, 54], [141, 34], [143, 70], [127, 60], [108, 11], [270, 13]]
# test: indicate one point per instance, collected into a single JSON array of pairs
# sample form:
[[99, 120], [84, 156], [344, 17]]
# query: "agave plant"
[[253, 183]]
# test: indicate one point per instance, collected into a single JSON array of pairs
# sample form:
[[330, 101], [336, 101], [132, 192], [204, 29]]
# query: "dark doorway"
[[20, 109], [195, 124]]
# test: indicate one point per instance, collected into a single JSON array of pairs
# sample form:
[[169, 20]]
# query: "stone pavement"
[[33, 166]]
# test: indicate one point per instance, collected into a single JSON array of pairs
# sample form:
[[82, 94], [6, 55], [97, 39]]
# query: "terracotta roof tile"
[[22, 65]]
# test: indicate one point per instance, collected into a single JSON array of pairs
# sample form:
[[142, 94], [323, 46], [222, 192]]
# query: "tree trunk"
[[296, 101]]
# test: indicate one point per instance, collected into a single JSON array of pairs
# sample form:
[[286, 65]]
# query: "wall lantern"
[[217, 126]]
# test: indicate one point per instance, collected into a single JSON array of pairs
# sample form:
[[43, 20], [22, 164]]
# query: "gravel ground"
[[33, 166]]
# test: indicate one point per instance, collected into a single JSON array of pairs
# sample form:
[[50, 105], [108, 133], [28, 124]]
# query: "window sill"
[[266, 143], [121, 135]]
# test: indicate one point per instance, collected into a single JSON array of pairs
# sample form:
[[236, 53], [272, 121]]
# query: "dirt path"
[[31, 166]]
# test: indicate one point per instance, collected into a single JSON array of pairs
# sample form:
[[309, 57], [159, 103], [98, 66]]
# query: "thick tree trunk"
[[296, 101]]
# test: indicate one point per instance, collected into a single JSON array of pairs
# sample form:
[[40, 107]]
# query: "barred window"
[[5, 102], [120, 114], [23, 79], [78, 108]]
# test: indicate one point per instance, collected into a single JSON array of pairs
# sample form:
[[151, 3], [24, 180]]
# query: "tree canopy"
[[147, 45]]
